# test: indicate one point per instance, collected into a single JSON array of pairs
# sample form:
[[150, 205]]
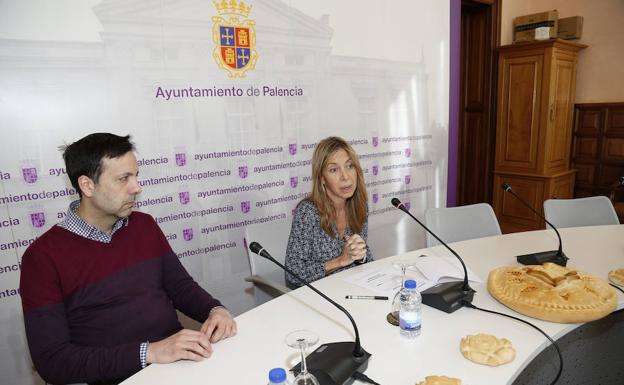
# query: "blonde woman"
[[330, 226]]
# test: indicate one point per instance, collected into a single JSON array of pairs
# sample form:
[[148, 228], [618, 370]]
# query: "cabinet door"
[[518, 119], [560, 112], [561, 187], [512, 215]]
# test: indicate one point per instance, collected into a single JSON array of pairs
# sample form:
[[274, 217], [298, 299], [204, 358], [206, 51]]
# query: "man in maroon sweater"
[[99, 290]]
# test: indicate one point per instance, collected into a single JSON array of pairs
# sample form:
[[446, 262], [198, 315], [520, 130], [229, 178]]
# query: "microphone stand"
[[555, 256], [332, 363], [448, 296]]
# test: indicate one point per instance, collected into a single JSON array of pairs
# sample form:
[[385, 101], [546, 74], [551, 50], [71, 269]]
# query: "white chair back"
[[590, 211], [399, 236], [454, 224], [268, 278]]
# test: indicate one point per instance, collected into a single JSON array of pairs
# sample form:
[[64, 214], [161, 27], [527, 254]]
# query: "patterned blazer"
[[309, 246]]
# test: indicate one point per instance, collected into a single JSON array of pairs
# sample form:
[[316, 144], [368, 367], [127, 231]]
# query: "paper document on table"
[[442, 269], [382, 279]]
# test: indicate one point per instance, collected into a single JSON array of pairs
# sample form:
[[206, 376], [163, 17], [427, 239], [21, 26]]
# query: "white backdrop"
[[373, 72]]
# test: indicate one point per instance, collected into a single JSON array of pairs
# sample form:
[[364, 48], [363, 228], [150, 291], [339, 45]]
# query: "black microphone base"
[[543, 257], [448, 297], [334, 363]]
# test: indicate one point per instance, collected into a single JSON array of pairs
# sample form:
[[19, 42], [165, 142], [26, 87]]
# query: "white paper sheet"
[[427, 271], [443, 269], [384, 280]]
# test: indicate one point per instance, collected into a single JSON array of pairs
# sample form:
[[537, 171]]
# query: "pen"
[[366, 297]]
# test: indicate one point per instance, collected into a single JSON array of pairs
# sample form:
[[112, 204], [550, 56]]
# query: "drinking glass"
[[303, 339]]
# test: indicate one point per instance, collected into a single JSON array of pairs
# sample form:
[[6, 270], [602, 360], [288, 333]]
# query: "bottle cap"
[[410, 284], [277, 375]]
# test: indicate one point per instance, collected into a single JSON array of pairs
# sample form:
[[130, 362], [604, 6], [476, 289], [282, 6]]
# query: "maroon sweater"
[[88, 305]]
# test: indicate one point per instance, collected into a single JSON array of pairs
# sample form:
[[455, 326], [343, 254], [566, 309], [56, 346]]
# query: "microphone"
[[332, 363], [448, 296], [555, 256]]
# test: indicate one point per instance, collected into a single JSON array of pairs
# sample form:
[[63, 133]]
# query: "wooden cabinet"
[[535, 104]]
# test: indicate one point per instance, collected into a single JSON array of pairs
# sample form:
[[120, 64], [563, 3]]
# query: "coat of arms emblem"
[[37, 219], [185, 197], [29, 174], [234, 38], [180, 159], [243, 171]]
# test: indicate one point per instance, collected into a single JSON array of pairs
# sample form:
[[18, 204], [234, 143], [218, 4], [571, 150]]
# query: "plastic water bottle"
[[410, 312], [277, 376]]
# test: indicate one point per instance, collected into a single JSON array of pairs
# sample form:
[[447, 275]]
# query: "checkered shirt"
[[78, 226]]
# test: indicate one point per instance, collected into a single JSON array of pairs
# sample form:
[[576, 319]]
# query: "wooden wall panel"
[[608, 174], [598, 149], [585, 174], [587, 148], [614, 149], [616, 119], [589, 123]]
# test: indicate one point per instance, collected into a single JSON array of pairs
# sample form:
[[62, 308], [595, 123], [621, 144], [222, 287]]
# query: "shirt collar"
[[78, 226]]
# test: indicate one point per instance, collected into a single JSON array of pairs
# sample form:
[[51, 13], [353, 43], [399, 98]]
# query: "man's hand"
[[219, 325], [184, 345]]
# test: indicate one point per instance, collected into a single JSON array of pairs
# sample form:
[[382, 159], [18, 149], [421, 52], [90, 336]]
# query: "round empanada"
[[552, 292], [617, 276]]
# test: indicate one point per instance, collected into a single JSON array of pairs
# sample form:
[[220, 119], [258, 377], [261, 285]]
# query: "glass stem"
[[304, 367]]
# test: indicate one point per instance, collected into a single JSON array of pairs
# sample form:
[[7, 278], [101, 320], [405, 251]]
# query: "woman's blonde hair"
[[356, 205]]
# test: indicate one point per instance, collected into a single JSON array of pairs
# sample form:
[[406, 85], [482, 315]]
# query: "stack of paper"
[[429, 271]]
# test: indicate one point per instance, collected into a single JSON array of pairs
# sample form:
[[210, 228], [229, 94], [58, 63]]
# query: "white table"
[[259, 345]]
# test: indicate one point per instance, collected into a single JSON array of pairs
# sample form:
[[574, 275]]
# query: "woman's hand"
[[353, 250]]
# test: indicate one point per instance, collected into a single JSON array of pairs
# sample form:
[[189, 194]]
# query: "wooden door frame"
[[493, 8]]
